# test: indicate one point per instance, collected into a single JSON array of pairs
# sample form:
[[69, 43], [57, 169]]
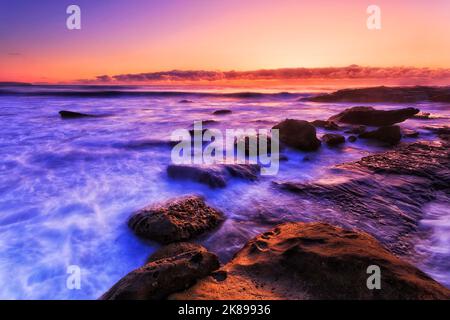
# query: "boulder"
[[298, 134], [371, 117], [332, 139], [390, 135], [173, 269], [327, 125], [73, 115], [176, 220], [214, 175], [221, 112], [313, 261], [352, 138]]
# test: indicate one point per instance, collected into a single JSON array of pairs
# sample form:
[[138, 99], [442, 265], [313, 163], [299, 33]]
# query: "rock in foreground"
[[175, 220], [172, 271], [369, 116], [313, 261], [298, 134]]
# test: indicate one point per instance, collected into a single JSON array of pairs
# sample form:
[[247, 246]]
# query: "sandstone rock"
[[332, 139], [174, 249], [384, 193], [215, 175], [298, 134], [172, 270], [175, 220], [313, 261], [371, 117], [390, 135]]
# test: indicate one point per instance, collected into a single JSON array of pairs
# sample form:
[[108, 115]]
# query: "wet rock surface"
[[386, 94], [390, 135], [313, 261], [384, 192], [171, 269], [215, 175], [298, 134], [176, 220], [369, 116], [327, 125], [331, 139]]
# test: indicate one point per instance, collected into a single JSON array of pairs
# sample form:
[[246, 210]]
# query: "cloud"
[[350, 72]]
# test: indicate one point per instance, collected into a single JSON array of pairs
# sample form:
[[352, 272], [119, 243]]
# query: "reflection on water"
[[67, 187]]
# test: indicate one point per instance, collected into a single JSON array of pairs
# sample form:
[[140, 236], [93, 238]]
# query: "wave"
[[129, 91]]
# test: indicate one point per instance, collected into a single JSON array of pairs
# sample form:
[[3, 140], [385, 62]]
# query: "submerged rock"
[[222, 112], [175, 220], [173, 269], [214, 175], [390, 135], [371, 117], [73, 115], [313, 261], [298, 134], [328, 125], [332, 139], [185, 101]]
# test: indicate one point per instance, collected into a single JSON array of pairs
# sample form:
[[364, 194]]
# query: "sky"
[[128, 37]]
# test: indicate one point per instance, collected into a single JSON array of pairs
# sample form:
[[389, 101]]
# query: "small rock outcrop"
[[221, 112], [369, 116], [298, 134], [176, 220], [73, 115]]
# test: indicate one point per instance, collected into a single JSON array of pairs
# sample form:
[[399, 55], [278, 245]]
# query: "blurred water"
[[67, 187]]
